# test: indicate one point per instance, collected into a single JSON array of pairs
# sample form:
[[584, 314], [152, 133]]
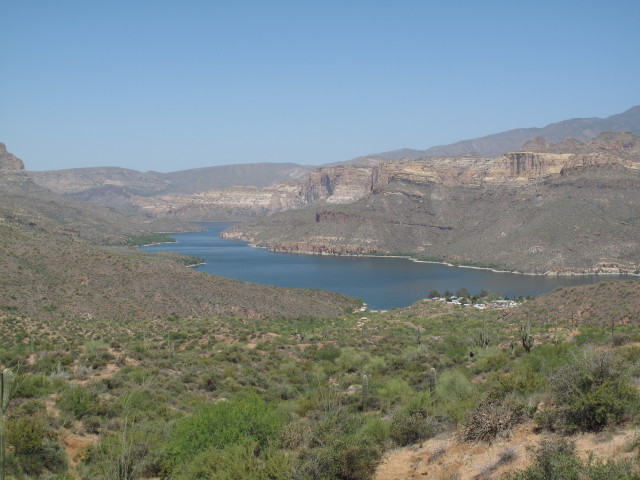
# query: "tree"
[[463, 292]]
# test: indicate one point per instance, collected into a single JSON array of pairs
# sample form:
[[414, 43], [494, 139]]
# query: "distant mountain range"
[[486, 207], [582, 129]]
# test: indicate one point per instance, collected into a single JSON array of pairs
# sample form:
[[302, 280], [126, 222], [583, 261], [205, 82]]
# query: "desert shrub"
[[376, 429], [122, 456], [490, 419], [491, 362], [412, 422], [619, 340], [555, 459], [220, 425], [455, 395], [244, 461], [592, 391], [330, 354], [351, 360], [344, 457], [341, 445], [25, 435], [32, 451], [78, 401], [96, 355], [32, 386], [394, 390]]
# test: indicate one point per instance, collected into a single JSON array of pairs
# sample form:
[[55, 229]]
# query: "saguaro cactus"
[[6, 381], [483, 339], [432, 379], [527, 338], [365, 391]]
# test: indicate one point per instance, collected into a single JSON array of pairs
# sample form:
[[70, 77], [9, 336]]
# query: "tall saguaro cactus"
[[365, 391], [432, 379], [6, 381], [527, 338]]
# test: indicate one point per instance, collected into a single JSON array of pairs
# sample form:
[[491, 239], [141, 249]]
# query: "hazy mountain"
[[582, 129], [79, 180]]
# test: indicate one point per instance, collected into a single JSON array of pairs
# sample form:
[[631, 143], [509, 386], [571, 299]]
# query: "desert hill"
[[569, 208], [122, 188], [60, 258]]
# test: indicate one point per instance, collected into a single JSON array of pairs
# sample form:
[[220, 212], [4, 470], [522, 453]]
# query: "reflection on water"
[[381, 282]]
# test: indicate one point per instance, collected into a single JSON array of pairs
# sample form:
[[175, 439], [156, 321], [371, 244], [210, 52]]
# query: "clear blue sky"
[[170, 85]]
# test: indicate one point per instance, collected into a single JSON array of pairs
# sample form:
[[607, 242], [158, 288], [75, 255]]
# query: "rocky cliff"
[[9, 161], [553, 212]]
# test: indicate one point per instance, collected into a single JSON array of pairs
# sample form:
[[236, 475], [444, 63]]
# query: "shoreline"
[[448, 264]]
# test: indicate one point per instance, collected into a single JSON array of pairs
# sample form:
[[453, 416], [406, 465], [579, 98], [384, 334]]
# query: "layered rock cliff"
[[554, 212]]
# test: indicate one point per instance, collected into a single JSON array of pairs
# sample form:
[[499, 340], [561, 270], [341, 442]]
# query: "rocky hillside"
[[243, 192], [58, 259], [129, 189], [603, 304], [556, 211]]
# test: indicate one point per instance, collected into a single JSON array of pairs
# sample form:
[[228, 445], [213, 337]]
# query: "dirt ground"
[[444, 458]]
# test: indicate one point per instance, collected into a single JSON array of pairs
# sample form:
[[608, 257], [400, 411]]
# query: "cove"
[[381, 282]]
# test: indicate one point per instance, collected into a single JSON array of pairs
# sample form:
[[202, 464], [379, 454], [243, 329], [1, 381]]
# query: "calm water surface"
[[381, 282]]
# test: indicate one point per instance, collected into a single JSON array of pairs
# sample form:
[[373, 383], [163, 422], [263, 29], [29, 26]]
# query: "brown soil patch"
[[443, 457], [76, 445]]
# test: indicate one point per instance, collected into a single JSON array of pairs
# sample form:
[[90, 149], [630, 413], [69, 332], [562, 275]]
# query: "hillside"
[[124, 189], [58, 260], [553, 213], [431, 391], [603, 304]]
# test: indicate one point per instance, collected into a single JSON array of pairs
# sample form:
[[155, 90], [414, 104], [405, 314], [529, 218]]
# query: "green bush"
[[244, 461], [25, 435], [78, 401], [220, 425], [32, 386], [32, 451], [341, 445], [555, 459], [412, 422], [455, 395], [592, 391]]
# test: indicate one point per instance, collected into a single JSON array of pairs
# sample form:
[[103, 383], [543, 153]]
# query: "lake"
[[382, 282]]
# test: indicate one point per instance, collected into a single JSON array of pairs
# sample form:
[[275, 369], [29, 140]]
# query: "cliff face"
[[348, 184], [8, 161], [553, 212]]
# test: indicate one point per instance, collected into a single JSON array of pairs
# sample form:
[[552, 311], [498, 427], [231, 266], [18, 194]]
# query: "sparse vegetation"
[[131, 366]]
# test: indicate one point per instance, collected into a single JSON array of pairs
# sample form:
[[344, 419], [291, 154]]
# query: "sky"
[[170, 85]]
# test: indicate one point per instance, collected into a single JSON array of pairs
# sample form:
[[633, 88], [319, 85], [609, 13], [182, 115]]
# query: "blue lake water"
[[381, 282]]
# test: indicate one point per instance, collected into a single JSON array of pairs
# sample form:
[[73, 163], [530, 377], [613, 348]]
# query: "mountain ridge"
[[582, 129], [547, 213]]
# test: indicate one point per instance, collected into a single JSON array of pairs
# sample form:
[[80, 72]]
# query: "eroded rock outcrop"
[[9, 161]]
